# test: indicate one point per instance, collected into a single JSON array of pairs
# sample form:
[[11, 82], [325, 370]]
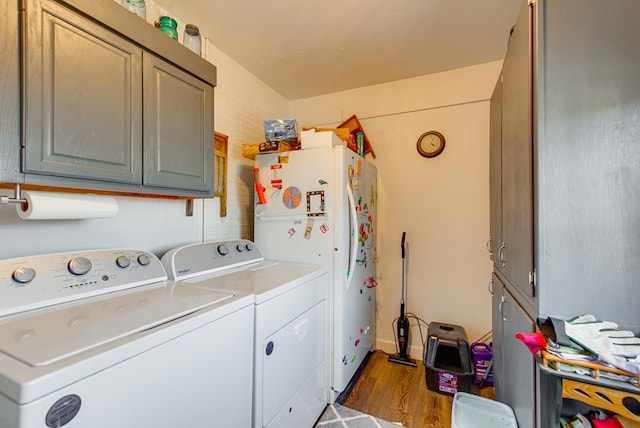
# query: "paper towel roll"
[[59, 206]]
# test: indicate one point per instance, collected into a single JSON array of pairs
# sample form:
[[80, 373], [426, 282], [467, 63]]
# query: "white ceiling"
[[304, 48]]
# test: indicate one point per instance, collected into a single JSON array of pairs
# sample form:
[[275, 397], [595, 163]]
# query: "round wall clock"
[[430, 144]]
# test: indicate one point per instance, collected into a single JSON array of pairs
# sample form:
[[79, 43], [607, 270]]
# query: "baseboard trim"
[[389, 347], [342, 397]]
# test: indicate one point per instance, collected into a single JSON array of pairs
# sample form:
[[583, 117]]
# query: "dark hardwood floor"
[[399, 393]]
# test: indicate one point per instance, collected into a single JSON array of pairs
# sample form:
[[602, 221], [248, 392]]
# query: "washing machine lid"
[[46, 336], [265, 280]]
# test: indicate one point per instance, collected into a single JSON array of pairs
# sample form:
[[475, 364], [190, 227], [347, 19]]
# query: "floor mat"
[[337, 416]]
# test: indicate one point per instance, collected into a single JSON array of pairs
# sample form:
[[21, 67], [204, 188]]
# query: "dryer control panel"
[[34, 282], [200, 259]]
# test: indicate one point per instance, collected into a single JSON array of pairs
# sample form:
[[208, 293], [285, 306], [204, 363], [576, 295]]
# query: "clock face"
[[430, 144]]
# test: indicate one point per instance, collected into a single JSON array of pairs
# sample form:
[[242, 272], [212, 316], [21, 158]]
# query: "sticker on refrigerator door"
[[370, 282], [324, 228], [364, 230], [363, 260], [291, 197], [308, 229], [276, 176], [362, 210], [291, 232], [350, 175], [315, 203]]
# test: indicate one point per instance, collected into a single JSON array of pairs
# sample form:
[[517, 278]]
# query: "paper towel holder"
[[17, 196]]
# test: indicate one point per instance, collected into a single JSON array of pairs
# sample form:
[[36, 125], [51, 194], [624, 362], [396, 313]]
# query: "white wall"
[[441, 203], [152, 224], [242, 102]]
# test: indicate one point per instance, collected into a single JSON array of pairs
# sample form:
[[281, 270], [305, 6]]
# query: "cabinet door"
[[82, 95], [589, 179], [517, 158], [178, 134], [497, 298], [517, 364], [9, 92], [495, 173]]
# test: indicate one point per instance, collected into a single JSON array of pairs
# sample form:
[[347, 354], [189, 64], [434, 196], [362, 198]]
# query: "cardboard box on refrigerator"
[[312, 138]]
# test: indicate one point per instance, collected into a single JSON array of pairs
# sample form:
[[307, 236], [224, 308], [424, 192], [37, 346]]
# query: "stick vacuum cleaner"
[[402, 326]]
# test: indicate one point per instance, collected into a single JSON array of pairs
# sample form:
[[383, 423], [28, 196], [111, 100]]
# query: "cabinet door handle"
[[502, 300], [490, 287], [489, 246], [501, 255]]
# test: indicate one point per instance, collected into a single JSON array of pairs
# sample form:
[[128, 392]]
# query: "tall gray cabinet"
[[565, 183], [107, 102]]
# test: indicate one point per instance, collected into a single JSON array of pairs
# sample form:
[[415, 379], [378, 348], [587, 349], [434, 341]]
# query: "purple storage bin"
[[481, 354]]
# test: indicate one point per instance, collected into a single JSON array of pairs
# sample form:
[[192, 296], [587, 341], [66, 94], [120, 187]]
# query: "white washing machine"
[[290, 364], [101, 339]]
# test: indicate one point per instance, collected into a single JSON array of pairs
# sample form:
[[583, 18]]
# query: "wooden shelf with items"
[[620, 397], [250, 151], [354, 127]]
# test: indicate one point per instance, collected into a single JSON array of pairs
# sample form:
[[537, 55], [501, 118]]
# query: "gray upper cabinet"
[[566, 160], [495, 173], [177, 126], [515, 253], [111, 103], [82, 97], [587, 159]]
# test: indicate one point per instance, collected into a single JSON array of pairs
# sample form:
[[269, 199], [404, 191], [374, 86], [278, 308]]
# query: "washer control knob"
[[223, 250], [249, 246], [23, 275], [240, 248], [79, 265], [123, 262], [144, 259]]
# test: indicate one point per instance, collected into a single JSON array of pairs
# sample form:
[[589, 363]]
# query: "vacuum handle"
[[402, 243]]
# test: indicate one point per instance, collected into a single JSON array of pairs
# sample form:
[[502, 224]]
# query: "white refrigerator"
[[319, 206]]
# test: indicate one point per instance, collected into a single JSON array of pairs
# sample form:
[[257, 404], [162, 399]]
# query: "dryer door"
[[290, 356]]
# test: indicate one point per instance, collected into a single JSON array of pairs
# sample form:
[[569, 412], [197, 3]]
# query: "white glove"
[[603, 339]]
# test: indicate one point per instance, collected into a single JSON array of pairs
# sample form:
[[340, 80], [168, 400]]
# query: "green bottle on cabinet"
[[169, 26]]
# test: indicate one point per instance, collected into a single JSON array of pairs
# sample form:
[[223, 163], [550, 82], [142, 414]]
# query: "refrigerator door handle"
[[353, 245]]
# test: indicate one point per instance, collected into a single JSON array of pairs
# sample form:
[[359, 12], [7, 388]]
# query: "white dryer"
[[101, 339], [290, 363]]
